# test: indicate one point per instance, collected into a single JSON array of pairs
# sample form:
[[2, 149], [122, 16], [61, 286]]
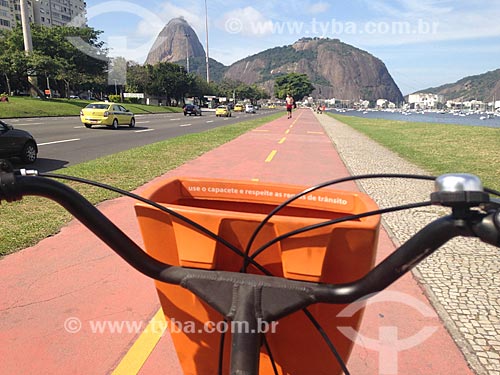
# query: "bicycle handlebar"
[[485, 226], [277, 296]]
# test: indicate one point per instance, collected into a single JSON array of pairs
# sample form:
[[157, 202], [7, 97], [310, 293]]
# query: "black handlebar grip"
[[488, 229], [8, 191]]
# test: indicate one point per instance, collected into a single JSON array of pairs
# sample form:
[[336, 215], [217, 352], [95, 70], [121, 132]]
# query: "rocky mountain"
[[336, 69], [171, 45], [172, 42], [484, 87]]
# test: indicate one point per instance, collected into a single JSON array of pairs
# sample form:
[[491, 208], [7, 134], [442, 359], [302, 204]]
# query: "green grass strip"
[[32, 107], [437, 148], [27, 222]]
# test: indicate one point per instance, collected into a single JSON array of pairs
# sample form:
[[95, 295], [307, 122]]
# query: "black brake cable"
[[327, 340], [186, 220], [217, 238], [317, 187], [492, 191], [337, 221], [181, 217], [308, 314], [221, 351], [268, 350], [250, 260], [194, 224]]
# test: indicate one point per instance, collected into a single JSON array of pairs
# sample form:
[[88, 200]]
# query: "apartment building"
[[7, 13], [42, 12], [58, 12], [425, 100]]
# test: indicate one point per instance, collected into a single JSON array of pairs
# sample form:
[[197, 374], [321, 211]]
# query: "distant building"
[[384, 104], [381, 103], [469, 105], [361, 104], [7, 13], [41, 12], [58, 12], [425, 100]]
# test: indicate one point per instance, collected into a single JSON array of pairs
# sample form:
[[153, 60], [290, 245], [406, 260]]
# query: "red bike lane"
[[57, 294]]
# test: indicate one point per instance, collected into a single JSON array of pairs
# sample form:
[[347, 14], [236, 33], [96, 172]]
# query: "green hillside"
[[485, 87]]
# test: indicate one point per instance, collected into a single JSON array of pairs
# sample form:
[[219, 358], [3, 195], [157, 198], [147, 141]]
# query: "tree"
[[137, 78], [295, 84], [55, 53], [240, 90]]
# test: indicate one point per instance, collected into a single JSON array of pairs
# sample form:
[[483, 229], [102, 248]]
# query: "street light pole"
[[28, 42], [25, 19], [206, 33], [187, 52]]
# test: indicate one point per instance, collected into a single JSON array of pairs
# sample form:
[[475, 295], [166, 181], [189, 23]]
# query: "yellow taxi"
[[106, 113], [239, 108], [223, 111]]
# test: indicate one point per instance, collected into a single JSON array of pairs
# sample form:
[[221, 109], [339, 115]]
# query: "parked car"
[[17, 143], [249, 108], [192, 109], [106, 113], [223, 110], [239, 108]]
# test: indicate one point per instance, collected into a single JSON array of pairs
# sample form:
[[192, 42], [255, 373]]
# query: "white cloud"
[[318, 8], [135, 43], [246, 21], [168, 11], [429, 21]]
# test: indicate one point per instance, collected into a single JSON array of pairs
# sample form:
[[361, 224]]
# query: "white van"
[[249, 108]]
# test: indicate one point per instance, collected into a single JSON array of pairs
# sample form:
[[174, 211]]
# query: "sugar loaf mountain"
[[336, 69]]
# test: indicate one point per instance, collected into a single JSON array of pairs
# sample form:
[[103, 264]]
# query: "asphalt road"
[[64, 141]]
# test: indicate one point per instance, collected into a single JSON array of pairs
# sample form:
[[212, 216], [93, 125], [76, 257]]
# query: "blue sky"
[[423, 43]]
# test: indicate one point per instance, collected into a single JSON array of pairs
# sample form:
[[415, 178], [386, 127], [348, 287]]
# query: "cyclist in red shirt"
[[289, 105]]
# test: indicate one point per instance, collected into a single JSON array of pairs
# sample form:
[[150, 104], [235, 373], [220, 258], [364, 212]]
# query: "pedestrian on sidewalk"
[[289, 105]]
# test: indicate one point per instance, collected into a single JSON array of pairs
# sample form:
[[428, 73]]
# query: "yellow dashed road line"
[[271, 156], [137, 355]]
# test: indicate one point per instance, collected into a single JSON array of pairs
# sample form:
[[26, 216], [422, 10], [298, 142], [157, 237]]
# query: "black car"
[[17, 143], [191, 109]]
